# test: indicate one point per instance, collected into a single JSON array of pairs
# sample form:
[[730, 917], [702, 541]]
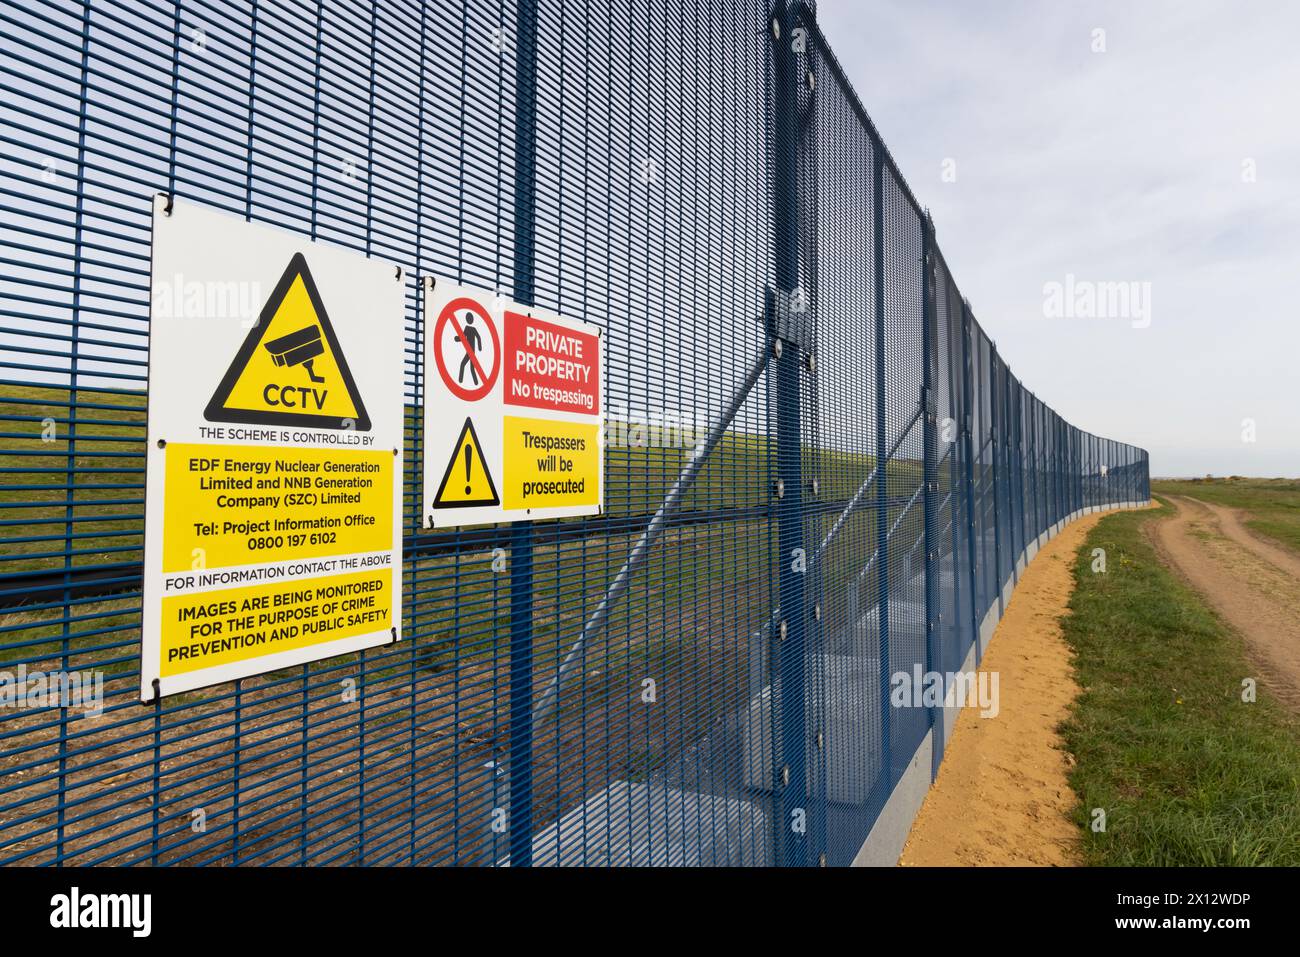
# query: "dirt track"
[[1253, 584]]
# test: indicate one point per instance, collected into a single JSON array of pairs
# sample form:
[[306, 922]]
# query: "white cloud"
[[1123, 165]]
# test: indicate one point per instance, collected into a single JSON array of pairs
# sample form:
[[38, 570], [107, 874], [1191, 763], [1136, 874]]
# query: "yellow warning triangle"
[[467, 480], [290, 370]]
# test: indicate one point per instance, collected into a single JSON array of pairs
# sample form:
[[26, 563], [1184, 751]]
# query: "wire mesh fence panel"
[[854, 713], [819, 476]]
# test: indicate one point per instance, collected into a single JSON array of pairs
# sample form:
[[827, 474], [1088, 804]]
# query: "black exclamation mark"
[[469, 459]]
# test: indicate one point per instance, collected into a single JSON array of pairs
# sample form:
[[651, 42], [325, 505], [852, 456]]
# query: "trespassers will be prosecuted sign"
[[513, 410], [274, 470]]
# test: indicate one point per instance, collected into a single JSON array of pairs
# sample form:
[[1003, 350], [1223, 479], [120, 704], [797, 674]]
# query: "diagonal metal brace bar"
[[892, 529], [775, 617], [863, 488], [641, 550]]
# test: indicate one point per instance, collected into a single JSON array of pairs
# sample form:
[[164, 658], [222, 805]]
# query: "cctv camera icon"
[[298, 348]]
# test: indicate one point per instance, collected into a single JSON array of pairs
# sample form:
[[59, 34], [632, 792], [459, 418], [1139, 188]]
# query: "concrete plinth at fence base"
[[653, 824], [951, 710], [632, 824], [884, 845]]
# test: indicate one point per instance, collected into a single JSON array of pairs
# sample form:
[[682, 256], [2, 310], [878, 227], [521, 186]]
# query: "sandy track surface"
[[1002, 796], [1230, 523], [1253, 584]]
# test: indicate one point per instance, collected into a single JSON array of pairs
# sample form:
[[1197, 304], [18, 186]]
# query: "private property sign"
[[552, 366], [512, 423], [274, 466]]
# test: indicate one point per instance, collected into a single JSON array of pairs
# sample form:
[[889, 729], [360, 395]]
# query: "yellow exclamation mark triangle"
[[467, 480]]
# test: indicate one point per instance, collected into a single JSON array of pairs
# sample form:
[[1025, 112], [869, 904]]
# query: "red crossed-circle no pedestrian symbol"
[[467, 348]]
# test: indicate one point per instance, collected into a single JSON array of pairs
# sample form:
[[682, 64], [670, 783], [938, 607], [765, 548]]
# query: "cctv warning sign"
[[274, 471], [290, 369], [513, 421]]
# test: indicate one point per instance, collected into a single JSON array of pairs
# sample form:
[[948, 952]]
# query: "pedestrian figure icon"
[[467, 348], [473, 343]]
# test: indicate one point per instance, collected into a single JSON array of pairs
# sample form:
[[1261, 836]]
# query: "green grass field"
[[79, 502], [1185, 770], [82, 504], [1273, 505]]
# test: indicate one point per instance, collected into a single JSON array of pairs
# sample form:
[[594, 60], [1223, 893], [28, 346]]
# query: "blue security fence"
[[819, 474]]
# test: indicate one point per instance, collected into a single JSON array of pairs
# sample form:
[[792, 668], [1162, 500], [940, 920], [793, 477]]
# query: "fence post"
[[995, 435], [1052, 506], [520, 813], [1040, 484], [1093, 459], [930, 455], [882, 461], [956, 402], [968, 445], [1061, 437], [1019, 452], [789, 693], [1076, 482], [1056, 469], [1073, 473], [1025, 448], [1067, 454]]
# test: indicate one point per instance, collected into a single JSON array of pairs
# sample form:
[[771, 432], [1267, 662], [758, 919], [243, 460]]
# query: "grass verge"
[[1186, 772]]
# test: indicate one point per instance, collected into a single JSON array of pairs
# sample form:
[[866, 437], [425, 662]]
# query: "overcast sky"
[[1172, 158]]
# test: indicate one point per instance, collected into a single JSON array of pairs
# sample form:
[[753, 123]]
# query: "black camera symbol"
[[298, 348]]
